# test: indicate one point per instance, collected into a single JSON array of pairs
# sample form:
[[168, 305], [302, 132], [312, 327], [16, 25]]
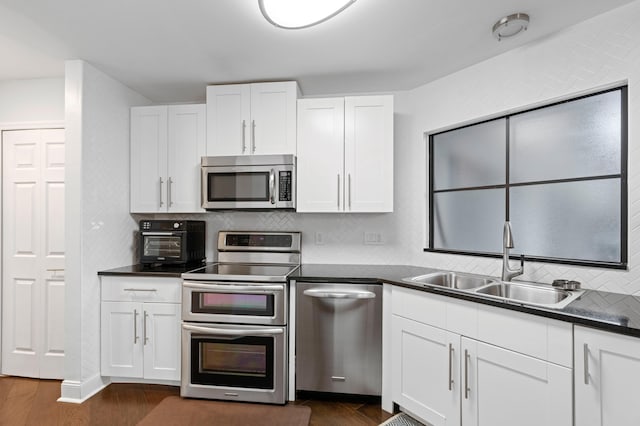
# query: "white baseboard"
[[77, 392]]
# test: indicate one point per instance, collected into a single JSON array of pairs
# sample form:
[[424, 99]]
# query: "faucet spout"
[[507, 243]]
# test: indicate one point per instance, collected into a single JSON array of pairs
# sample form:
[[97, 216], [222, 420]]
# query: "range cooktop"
[[241, 272]]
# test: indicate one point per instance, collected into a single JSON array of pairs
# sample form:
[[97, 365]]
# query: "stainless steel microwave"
[[247, 182]]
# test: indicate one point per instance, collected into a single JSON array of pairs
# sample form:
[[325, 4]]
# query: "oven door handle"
[[232, 287], [157, 233], [233, 332], [329, 293]]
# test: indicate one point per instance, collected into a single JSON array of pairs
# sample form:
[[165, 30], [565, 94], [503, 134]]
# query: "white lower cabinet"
[[607, 372], [140, 337], [426, 371], [449, 370], [504, 388]]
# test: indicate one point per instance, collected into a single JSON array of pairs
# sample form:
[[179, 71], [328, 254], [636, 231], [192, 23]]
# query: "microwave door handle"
[[272, 186]]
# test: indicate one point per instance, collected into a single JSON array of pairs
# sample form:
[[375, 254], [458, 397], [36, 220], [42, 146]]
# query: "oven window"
[[161, 246], [233, 303], [241, 362], [241, 186]]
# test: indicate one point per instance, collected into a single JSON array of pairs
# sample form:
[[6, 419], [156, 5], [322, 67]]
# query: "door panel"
[[603, 384], [228, 119], [507, 388], [429, 389], [320, 186], [33, 248], [161, 341], [121, 339]]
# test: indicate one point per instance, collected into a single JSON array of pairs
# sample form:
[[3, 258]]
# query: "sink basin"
[[530, 294], [452, 280]]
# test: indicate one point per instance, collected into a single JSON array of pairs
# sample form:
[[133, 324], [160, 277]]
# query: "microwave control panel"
[[284, 186]]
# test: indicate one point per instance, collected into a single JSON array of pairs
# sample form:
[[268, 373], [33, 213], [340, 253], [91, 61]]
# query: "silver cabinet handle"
[[244, 131], [450, 366], [330, 293], [585, 350], [272, 186], [467, 357], [349, 191], [145, 338], [253, 136], [338, 191], [232, 332], [140, 289], [135, 326], [161, 182], [233, 288], [169, 183]]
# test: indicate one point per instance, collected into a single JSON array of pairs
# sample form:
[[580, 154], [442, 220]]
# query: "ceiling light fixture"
[[510, 25], [296, 14]]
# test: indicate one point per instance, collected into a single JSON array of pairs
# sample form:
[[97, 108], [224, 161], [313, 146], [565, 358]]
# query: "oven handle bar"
[[326, 293], [232, 287], [230, 332]]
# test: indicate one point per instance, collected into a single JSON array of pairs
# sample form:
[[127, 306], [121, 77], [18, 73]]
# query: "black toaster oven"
[[172, 241]]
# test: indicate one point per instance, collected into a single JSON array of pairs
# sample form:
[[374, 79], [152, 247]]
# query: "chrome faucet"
[[507, 243]]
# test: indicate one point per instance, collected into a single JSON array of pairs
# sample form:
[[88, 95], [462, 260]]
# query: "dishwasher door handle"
[[331, 293]]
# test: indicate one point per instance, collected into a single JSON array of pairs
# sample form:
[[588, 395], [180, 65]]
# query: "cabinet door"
[[186, 145], [121, 344], [425, 363], [228, 119], [161, 340], [148, 159], [273, 118], [607, 370], [368, 160], [320, 155], [505, 388]]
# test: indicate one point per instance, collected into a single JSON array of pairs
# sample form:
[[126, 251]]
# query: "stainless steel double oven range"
[[234, 319]]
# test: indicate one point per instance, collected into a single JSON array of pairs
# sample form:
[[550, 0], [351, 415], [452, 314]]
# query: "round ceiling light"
[[296, 14], [510, 25]]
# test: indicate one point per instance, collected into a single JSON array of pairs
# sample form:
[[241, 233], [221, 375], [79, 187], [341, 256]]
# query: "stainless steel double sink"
[[524, 293]]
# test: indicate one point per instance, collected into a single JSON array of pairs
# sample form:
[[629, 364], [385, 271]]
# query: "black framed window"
[[558, 173]]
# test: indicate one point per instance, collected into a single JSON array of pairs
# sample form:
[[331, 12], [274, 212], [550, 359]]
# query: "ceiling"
[[169, 50]]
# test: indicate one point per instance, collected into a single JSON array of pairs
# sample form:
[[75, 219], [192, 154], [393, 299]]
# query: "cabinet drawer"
[[141, 289]]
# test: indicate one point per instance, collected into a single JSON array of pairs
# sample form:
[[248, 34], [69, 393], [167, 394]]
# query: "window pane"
[[574, 220], [471, 156], [469, 220], [569, 140]]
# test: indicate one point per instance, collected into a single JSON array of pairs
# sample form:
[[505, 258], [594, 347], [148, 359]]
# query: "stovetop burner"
[[241, 272]]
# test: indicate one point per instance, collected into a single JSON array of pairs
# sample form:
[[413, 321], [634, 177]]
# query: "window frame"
[[624, 214]]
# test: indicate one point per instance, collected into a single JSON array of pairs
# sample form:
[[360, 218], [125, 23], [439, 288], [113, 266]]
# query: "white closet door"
[[33, 253]]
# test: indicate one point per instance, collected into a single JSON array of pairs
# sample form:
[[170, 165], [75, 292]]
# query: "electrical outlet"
[[374, 238], [320, 238]]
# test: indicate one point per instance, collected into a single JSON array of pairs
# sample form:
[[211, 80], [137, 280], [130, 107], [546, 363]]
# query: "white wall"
[[99, 227], [31, 100], [598, 52]]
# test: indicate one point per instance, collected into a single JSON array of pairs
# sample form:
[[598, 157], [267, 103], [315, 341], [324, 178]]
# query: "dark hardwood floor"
[[33, 402]]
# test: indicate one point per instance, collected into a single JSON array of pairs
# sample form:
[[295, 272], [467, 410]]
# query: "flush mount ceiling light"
[[296, 14], [510, 25]]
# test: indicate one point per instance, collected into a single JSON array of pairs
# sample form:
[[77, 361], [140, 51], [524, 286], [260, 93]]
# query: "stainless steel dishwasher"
[[339, 338]]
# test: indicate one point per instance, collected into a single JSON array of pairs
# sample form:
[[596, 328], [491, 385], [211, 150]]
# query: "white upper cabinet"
[[345, 154], [256, 118], [167, 143]]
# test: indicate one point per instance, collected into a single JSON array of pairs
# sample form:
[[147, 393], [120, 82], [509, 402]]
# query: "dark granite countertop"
[[618, 313], [140, 270]]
